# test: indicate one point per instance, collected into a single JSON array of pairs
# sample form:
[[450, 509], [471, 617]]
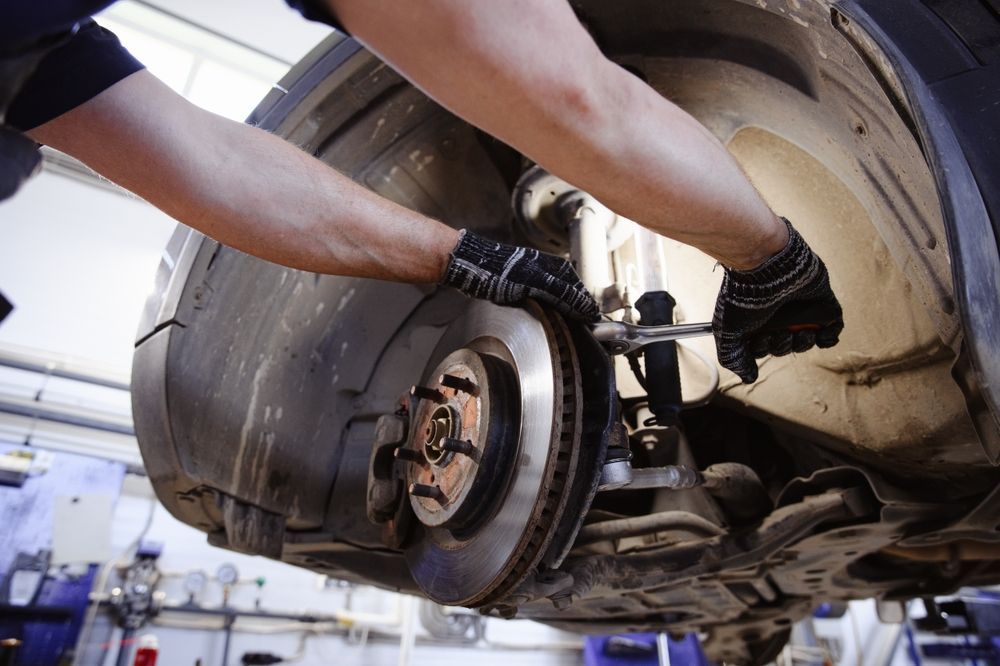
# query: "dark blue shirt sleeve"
[[317, 10], [90, 62]]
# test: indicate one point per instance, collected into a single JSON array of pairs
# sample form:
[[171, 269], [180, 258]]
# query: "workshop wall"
[[77, 262], [292, 590], [269, 25]]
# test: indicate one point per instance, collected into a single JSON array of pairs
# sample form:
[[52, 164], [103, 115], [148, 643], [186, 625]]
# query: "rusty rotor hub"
[[463, 428], [492, 452]]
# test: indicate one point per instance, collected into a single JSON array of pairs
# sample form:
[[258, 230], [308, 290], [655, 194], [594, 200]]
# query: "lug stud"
[[561, 601], [424, 393], [430, 492], [462, 446], [459, 384], [409, 455]]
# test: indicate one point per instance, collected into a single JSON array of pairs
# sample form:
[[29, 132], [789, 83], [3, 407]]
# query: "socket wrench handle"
[[621, 338]]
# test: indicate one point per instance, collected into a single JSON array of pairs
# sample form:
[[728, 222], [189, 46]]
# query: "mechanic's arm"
[[528, 73], [255, 192], [244, 187]]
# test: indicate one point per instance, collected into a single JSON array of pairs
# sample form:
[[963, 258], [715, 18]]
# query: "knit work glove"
[[784, 305], [19, 160], [507, 275]]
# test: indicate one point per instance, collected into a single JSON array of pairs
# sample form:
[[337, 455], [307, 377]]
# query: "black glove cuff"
[[451, 272], [472, 252], [788, 269], [508, 274]]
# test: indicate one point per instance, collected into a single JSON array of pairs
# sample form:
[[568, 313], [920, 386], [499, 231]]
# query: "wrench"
[[621, 338]]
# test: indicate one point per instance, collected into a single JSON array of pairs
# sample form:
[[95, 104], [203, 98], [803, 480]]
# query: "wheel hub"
[[465, 427], [492, 452]]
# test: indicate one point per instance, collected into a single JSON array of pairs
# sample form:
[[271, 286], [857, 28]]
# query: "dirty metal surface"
[[470, 568]]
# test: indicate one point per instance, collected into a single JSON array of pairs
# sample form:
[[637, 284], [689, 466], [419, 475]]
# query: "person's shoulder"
[[26, 22], [316, 10], [90, 61]]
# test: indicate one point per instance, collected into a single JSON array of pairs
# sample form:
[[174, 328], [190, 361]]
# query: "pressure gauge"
[[227, 574], [195, 581]]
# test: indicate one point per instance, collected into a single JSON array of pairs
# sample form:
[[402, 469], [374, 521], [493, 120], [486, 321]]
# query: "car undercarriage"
[[508, 460]]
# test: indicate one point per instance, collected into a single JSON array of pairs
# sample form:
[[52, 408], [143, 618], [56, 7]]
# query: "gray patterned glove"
[[508, 274], [19, 160], [785, 305]]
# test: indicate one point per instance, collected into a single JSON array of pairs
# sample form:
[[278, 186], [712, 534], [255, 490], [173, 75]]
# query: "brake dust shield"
[[493, 452]]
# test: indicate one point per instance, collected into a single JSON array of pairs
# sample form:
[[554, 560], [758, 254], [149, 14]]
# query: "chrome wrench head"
[[621, 338]]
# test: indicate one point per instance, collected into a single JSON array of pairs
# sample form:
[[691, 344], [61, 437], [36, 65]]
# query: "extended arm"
[[528, 73], [259, 194], [245, 187]]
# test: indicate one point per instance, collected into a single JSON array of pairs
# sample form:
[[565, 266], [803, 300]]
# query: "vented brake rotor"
[[493, 450]]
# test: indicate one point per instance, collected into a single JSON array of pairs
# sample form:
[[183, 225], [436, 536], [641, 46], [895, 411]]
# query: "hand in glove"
[[507, 275], [784, 305]]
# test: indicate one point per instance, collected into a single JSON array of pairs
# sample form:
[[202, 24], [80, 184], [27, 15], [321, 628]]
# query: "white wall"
[[78, 262], [269, 25]]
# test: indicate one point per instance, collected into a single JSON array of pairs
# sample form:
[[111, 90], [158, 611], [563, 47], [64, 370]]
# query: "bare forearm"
[[290, 208], [246, 188], [649, 160], [527, 72]]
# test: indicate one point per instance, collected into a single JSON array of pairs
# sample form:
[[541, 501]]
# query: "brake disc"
[[494, 449]]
